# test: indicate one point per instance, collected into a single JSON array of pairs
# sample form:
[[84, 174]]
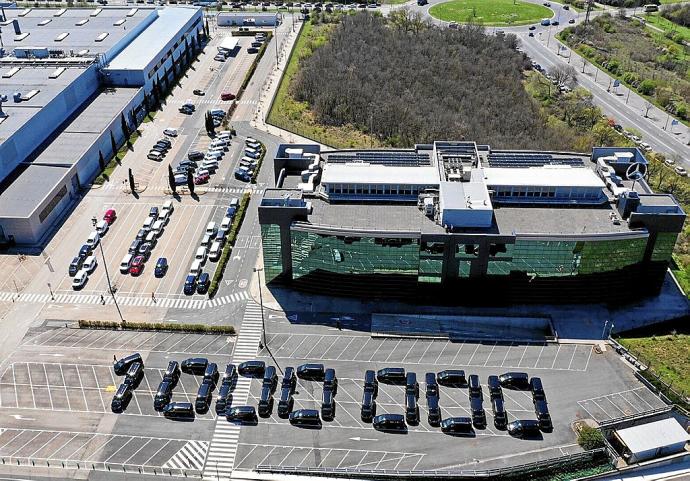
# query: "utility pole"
[[107, 276], [590, 5], [261, 302]]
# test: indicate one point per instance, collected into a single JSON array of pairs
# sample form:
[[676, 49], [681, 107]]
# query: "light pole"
[[107, 276], [261, 302], [50, 288]]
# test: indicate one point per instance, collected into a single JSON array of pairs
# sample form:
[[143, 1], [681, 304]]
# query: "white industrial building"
[[248, 19], [652, 440]]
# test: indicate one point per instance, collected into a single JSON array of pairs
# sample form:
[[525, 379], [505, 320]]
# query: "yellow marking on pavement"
[[110, 388]]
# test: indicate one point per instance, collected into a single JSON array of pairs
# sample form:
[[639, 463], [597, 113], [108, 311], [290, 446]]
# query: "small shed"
[[652, 440]]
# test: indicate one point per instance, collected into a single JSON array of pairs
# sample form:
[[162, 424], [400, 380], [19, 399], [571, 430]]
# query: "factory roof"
[[550, 175], [654, 435], [363, 173], [84, 27], [144, 48], [31, 184]]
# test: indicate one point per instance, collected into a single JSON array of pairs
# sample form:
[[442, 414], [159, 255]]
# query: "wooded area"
[[405, 83], [678, 13]]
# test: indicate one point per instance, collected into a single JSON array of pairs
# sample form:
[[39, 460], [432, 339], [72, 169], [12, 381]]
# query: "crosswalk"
[[142, 301], [226, 436], [190, 456]]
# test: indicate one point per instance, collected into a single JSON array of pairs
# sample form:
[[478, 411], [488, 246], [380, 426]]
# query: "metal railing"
[[561, 462]]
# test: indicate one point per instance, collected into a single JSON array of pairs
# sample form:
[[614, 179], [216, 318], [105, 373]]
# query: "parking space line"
[[634, 391], [80, 447], [490, 353], [26, 443], [239, 463], [81, 385], [64, 385], [392, 350], [266, 457], [324, 458], [45, 444], [572, 357], [158, 451], [523, 355], [409, 350], [105, 333], [148, 441], [348, 345], [313, 347], [309, 450], [74, 436], [50, 395], [469, 363], [31, 387], [360, 349], [17, 434], [556, 356], [591, 349], [425, 351], [298, 346], [539, 356]]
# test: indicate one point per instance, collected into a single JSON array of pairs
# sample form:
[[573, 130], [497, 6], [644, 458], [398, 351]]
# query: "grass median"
[[490, 12], [156, 326]]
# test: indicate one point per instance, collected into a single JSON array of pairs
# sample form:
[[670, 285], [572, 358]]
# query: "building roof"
[[464, 195], [144, 48], [651, 436], [363, 173], [32, 184], [547, 176], [81, 37]]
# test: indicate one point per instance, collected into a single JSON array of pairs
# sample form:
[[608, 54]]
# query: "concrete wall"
[[241, 19]]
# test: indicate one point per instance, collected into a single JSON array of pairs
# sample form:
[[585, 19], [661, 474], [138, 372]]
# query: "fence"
[[653, 379], [561, 463], [100, 466]]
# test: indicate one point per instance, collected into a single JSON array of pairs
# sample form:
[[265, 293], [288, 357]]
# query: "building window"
[[52, 204]]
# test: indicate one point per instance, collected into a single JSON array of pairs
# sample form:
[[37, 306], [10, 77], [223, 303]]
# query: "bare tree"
[[647, 107], [564, 75]]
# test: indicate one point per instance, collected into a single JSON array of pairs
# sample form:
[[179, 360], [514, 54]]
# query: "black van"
[[305, 417], [495, 387], [457, 426], [265, 402], [286, 402], [289, 380], [477, 410], [178, 410], [537, 389], [252, 368], [500, 414], [120, 367], [391, 375], [389, 422], [224, 398], [452, 378], [330, 382], [270, 378], [121, 398], [172, 372], [474, 387], [371, 384], [327, 405], [135, 374], [411, 409], [434, 416], [541, 410], [245, 414], [211, 374], [523, 428], [431, 385], [311, 372], [203, 397], [368, 406], [514, 380], [411, 384], [230, 374], [163, 395], [195, 365]]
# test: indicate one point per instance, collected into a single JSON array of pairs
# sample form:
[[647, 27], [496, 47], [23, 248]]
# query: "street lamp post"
[[107, 275], [261, 302], [50, 288]]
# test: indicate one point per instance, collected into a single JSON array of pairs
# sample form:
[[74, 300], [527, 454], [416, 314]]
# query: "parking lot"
[[58, 387], [579, 383]]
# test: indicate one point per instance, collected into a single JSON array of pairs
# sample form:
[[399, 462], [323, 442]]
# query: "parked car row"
[[249, 161], [147, 237], [211, 247], [203, 164], [132, 367], [159, 149], [84, 263]]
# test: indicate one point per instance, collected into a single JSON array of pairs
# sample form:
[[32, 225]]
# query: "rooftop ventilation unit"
[[82, 22], [24, 12], [102, 37], [45, 22], [59, 12], [57, 72], [30, 94], [119, 22], [21, 37], [96, 12], [132, 12], [12, 71], [61, 37]]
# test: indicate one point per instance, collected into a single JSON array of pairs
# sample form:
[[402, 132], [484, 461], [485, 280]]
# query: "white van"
[[217, 112], [213, 154], [93, 239], [219, 143], [125, 263], [226, 223], [89, 264], [201, 255], [216, 250], [168, 205], [102, 227], [148, 223], [206, 240], [157, 227], [151, 238], [211, 229], [170, 131], [195, 270]]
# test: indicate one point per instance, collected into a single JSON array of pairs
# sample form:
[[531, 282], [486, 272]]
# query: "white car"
[[80, 279], [211, 229], [170, 132], [645, 146], [125, 263], [251, 140], [93, 239], [102, 227], [201, 254], [225, 224], [216, 251], [254, 145], [669, 161], [681, 171], [90, 264]]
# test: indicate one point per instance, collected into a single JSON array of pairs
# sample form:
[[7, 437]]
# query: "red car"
[[201, 179], [110, 216], [227, 96], [137, 266]]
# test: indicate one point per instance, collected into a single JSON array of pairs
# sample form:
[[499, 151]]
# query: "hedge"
[[227, 249], [258, 163], [156, 326]]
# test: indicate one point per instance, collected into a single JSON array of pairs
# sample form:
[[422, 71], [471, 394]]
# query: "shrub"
[[590, 438], [682, 110], [647, 87], [156, 326]]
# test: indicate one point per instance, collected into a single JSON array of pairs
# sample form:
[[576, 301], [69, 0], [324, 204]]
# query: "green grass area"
[[394, 2], [292, 115], [491, 12], [667, 25], [668, 355]]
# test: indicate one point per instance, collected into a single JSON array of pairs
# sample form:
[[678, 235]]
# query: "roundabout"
[[494, 13]]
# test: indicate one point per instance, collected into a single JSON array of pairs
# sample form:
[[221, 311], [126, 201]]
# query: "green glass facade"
[[663, 247], [353, 254], [270, 240]]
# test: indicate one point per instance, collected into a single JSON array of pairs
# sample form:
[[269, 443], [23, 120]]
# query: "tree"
[[131, 180], [603, 134], [123, 124], [590, 438], [190, 182], [155, 89], [171, 178], [206, 30], [113, 145], [564, 75], [210, 128], [101, 160], [647, 87], [133, 119]]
